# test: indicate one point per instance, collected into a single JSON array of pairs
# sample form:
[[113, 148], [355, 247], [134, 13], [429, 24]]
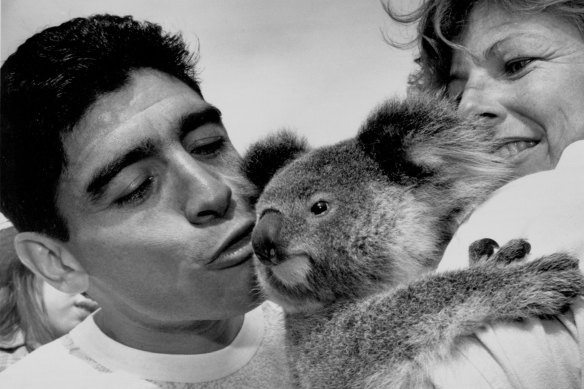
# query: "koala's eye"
[[319, 207]]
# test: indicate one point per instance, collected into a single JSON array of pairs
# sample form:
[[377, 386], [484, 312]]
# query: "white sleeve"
[[545, 208], [533, 354]]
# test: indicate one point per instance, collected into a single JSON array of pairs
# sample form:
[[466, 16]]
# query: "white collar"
[[169, 367]]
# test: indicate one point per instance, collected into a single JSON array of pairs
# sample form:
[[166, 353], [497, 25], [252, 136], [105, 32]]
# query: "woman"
[[33, 313], [520, 66]]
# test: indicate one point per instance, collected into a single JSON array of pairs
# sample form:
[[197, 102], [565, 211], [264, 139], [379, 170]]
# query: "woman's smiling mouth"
[[513, 147]]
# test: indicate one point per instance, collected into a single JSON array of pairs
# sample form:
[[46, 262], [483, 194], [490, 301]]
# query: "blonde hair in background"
[[21, 307]]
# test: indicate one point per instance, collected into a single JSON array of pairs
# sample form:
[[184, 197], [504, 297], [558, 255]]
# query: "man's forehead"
[[150, 106], [145, 88]]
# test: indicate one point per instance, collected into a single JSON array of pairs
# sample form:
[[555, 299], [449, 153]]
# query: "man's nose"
[[207, 194], [482, 101]]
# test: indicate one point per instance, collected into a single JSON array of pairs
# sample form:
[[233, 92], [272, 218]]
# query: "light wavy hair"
[[441, 21], [21, 306]]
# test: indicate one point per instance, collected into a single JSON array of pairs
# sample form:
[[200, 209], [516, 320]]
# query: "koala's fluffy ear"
[[423, 135], [386, 137], [264, 158]]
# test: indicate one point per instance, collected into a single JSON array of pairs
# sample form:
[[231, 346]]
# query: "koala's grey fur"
[[346, 233]]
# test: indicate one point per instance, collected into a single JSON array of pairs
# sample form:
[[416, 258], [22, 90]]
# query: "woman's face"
[[525, 75]]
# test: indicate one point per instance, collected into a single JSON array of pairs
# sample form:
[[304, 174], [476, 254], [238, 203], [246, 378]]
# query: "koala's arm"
[[389, 339]]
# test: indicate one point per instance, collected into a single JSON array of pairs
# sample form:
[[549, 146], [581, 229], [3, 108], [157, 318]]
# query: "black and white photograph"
[[272, 194]]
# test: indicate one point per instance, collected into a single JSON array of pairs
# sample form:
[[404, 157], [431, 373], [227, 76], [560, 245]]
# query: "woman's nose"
[[482, 102]]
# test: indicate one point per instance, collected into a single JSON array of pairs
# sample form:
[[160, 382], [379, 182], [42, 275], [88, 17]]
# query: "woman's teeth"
[[513, 148]]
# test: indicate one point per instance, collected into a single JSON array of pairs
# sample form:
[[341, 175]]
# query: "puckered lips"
[[235, 249]]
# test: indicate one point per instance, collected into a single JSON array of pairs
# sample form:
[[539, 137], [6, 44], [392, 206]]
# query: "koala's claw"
[[482, 249], [512, 251], [485, 250]]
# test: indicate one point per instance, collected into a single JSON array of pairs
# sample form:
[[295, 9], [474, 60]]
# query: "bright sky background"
[[316, 66]]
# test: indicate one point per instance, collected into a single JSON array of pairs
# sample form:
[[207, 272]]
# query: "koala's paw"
[[487, 251], [544, 287]]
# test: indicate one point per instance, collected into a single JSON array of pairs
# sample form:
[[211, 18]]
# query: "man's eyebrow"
[[105, 174], [193, 120]]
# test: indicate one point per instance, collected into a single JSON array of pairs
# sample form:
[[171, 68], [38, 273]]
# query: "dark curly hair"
[[49, 83]]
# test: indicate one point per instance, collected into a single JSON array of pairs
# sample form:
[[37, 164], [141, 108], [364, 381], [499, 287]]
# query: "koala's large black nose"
[[265, 237]]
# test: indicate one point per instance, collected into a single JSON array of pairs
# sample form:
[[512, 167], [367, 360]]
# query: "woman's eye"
[[515, 66], [136, 195], [208, 146]]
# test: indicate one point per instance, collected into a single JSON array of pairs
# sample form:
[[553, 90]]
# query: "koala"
[[347, 237]]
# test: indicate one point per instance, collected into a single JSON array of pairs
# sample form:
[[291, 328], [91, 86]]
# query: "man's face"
[[155, 206]]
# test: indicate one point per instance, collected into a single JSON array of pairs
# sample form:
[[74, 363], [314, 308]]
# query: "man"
[[124, 185]]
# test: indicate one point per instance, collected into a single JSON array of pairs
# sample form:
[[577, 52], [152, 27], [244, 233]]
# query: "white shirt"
[[87, 358], [547, 209]]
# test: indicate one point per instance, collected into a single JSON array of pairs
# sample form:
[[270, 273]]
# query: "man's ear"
[[264, 158], [50, 259]]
